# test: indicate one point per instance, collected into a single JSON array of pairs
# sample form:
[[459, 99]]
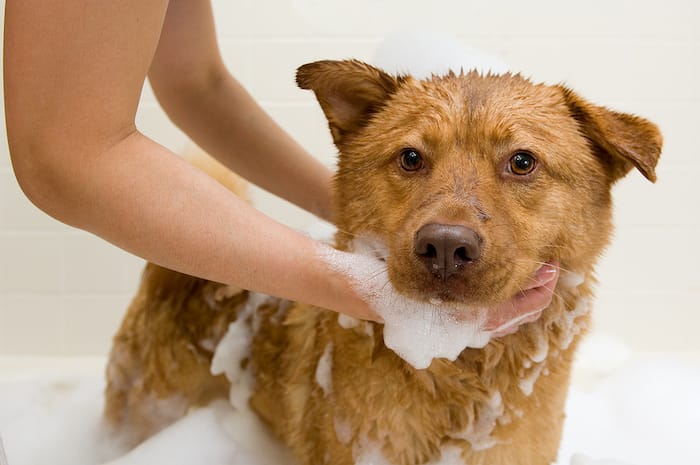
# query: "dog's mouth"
[[420, 326], [502, 315], [419, 331], [506, 316]]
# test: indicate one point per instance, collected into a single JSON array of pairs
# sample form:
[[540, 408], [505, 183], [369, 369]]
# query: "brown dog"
[[469, 183]]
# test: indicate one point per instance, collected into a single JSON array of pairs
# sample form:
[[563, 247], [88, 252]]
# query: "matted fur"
[[502, 404]]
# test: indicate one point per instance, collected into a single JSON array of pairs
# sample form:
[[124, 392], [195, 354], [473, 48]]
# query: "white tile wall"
[[63, 291], [33, 324]]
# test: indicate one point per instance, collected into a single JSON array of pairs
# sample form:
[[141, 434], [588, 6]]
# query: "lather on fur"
[[500, 405]]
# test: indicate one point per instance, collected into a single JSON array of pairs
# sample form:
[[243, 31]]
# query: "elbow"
[[32, 164], [48, 169], [56, 171]]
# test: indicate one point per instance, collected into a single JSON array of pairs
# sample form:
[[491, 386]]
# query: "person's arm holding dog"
[[73, 76], [201, 97]]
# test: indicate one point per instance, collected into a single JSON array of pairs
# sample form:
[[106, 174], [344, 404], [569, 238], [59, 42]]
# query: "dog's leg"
[[160, 362]]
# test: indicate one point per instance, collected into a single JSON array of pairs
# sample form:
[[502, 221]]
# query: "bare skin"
[[73, 74]]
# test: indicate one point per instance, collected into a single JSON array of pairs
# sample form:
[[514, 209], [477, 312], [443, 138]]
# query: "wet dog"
[[465, 185]]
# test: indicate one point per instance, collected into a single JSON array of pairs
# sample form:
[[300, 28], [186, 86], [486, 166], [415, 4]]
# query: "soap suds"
[[234, 347], [527, 384], [370, 453], [568, 325], [163, 410], [571, 279], [366, 452], [208, 344], [343, 430], [449, 455], [541, 348], [478, 433], [417, 331], [324, 370], [347, 322]]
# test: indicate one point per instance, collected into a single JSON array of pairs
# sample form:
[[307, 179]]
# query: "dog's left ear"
[[622, 140], [348, 91]]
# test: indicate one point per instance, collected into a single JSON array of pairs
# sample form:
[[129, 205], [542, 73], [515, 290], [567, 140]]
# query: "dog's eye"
[[522, 163], [410, 160]]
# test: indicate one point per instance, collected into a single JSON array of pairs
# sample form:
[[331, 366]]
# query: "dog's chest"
[[332, 382]]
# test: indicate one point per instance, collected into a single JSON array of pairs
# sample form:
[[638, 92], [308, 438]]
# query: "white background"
[[63, 292]]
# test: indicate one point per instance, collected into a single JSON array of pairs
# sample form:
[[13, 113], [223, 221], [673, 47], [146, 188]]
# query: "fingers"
[[526, 306], [544, 274]]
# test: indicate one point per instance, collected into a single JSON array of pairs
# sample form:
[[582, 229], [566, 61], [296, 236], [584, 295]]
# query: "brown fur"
[[466, 127]]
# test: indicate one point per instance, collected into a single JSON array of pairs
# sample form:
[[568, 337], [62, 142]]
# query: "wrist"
[[344, 292]]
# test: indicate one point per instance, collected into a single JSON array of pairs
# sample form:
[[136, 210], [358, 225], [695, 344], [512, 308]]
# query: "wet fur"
[[466, 126]]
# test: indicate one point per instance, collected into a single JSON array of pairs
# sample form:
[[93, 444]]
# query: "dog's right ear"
[[622, 140], [348, 91]]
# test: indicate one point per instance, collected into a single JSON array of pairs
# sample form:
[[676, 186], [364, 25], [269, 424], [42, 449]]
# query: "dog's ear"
[[620, 139], [348, 91]]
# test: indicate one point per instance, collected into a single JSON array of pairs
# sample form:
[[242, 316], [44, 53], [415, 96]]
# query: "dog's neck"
[[485, 384], [481, 380], [537, 351]]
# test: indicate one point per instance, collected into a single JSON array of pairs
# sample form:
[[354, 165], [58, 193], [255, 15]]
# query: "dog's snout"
[[446, 249]]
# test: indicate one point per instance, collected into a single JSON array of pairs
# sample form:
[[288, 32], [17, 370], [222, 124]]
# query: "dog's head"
[[473, 182]]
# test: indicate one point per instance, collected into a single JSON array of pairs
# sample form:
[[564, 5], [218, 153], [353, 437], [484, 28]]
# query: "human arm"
[[73, 75], [200, 96]]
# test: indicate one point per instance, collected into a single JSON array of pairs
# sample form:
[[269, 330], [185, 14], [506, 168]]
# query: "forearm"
[[226, 122], [145, 199], [73, 72]]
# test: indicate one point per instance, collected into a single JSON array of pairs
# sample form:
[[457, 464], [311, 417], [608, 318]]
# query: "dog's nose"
[[445, 249]]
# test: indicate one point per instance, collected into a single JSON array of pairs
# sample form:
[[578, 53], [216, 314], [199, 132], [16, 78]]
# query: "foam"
[[541, 349], [580, 459], [370, 453], [55, 418], [324, 370], [164, 410], [571, 279], [478, 433], [348, 322], [569, 325], [343, 430], [417, 331], [423, 54], [527, 383], [234, 347]]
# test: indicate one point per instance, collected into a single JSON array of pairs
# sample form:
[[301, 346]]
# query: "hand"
[[527, 305], [422, 331], [373, 291]]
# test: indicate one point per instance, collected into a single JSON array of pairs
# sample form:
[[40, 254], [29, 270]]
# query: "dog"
[[465, 185]]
